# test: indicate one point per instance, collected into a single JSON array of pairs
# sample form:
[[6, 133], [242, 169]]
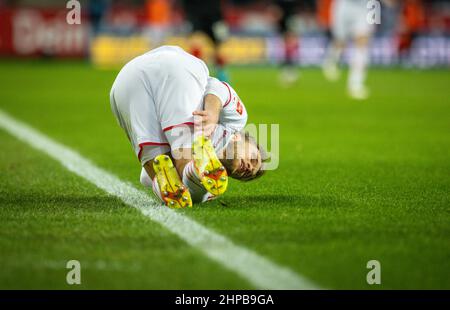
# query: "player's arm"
[[221, 104], [206, 120], [215, 97]]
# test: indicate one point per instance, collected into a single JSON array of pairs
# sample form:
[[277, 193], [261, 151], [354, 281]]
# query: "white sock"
[[333, 55], [192, 181], [156, 190], [145, 179], [149, 183], [358, 68]]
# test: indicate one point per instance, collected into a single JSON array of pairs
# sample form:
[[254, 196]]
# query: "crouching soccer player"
[[185, 127]]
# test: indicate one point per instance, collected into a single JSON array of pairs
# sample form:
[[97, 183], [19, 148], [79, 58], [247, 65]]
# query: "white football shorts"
[[349, 19]]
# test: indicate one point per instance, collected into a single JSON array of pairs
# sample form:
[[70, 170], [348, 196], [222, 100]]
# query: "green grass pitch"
[[357, 181]]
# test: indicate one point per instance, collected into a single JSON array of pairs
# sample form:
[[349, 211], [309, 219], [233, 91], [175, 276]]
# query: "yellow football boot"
[[212, 173], [173, 192]]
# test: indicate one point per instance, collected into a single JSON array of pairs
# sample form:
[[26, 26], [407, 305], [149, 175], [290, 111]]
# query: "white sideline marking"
[[259, 271]]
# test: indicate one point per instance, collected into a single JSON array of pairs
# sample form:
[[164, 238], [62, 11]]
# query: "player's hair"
[[264, 156]]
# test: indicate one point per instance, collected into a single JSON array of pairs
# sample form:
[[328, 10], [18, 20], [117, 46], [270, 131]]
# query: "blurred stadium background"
[[412, 32]]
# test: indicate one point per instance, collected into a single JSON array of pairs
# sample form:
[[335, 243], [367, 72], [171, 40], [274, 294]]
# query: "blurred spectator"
[[412, 22], [289, 73], [97, 9], [158, 14], [323, 11]]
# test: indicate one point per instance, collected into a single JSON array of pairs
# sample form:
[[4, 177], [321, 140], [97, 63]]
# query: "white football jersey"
[[154, 95]]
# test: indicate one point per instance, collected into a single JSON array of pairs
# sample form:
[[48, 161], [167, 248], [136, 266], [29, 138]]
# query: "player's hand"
[[205, 122]]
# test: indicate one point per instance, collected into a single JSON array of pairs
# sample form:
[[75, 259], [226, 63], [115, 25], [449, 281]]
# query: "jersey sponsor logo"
[[239, 107]]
